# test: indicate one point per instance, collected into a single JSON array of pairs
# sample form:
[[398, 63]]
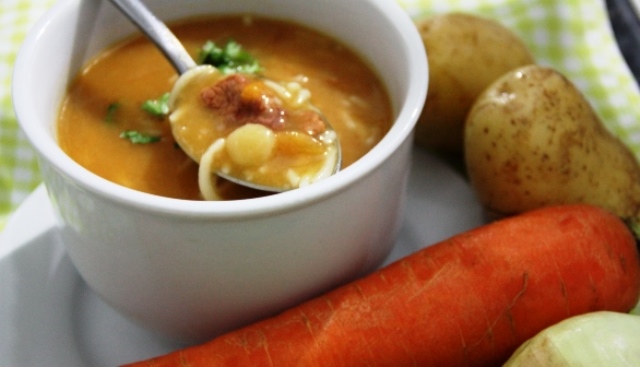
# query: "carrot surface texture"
[[470, 300]]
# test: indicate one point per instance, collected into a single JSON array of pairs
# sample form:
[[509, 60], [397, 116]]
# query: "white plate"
[[48, 316]]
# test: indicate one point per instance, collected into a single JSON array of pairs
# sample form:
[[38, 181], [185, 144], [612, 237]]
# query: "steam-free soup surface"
[[106, 98]]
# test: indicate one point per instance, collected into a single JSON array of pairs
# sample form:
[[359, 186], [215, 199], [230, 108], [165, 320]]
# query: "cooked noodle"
[[205, 174]]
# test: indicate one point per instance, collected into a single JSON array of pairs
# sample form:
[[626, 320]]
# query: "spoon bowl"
[[156, 31]]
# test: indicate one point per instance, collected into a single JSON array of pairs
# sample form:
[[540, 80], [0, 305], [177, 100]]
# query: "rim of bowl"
[[408, 111]]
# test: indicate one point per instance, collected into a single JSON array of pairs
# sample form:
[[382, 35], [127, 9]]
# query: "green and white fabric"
[[572, 36], [18, 168]]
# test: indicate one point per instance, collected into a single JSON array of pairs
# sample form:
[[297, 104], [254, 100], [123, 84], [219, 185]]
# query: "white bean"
[[251, 144]]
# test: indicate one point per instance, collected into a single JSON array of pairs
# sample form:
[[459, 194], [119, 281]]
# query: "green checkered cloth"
[[18, 168], [572, 36]]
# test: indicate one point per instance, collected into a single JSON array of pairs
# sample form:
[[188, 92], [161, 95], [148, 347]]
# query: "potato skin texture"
[[466, 53], [532, 140]]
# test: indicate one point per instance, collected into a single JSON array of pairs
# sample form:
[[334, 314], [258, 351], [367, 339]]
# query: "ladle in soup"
[[247, 129]]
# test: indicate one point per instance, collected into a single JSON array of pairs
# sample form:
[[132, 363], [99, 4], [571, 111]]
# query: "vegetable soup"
[[114, 120]]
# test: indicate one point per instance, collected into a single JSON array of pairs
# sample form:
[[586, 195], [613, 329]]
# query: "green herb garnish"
[[157, 107], [137, 137], [229, 58], [111, 112]]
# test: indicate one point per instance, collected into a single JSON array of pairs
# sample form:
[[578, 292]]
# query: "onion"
[[600, 338]]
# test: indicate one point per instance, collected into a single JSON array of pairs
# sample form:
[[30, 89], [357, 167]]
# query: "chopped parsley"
[[137, 137], [111, 112], [229, 58], [157, 107]]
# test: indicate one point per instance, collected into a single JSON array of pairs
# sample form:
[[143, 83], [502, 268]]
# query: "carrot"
[[470, 300]]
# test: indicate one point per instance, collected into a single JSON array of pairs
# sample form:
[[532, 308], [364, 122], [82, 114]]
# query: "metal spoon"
[[158, 33]]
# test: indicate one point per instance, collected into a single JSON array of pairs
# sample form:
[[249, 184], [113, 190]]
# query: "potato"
[[465, 54], [532, 140]]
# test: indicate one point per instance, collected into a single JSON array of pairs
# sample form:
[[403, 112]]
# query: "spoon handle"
[[157, 32]]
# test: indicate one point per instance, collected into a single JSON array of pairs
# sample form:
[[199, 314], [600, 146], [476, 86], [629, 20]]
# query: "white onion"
[[600, 338]]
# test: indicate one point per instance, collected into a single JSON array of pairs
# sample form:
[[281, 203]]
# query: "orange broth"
[[342, 85]]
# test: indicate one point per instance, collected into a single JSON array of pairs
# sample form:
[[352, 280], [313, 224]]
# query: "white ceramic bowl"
[[191, 270]]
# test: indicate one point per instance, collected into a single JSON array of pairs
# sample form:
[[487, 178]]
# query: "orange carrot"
[[467, 301]]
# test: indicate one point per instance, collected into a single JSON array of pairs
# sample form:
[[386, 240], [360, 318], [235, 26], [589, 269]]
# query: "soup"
[[244, 127], [102, 126]]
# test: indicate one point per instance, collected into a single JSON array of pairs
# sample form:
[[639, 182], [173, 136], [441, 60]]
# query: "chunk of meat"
[[311, 122], [241, 100]]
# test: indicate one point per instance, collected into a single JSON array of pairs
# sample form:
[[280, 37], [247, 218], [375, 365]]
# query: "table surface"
[[19, 174]]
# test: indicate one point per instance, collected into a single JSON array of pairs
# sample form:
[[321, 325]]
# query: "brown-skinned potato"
[[466, 53], [532, 139]]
